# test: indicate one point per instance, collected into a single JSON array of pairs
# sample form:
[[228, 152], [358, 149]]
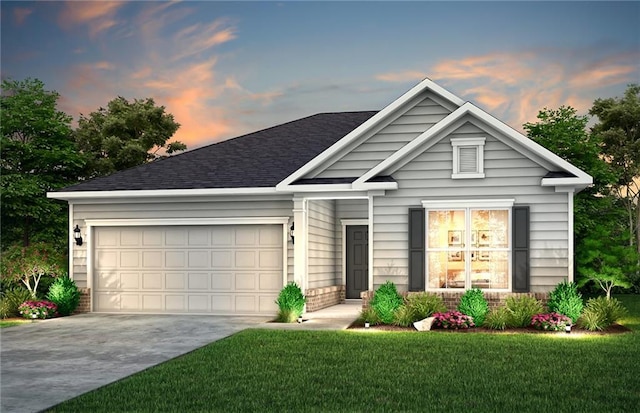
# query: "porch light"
[[291, 229], [77, 236]]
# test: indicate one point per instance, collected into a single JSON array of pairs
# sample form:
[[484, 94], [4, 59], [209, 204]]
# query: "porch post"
[[300, 243]]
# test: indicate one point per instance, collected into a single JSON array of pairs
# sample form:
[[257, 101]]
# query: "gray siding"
[[322, 243], [388, 140], [224, 208], [508, 174]]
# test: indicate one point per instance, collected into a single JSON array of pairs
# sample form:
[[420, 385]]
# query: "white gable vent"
[[468, 158]]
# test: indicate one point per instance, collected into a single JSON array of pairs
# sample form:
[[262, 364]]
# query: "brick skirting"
[[318, 298], [85, 301], [451, 299]]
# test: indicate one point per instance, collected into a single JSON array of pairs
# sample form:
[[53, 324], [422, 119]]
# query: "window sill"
[[467, 176]]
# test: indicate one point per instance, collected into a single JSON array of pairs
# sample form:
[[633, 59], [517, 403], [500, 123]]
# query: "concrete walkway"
[[50, 361]]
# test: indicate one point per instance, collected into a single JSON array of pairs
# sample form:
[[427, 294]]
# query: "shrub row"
[[63, 294]]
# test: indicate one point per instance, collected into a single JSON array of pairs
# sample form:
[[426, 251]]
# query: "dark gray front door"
[[357, 260]]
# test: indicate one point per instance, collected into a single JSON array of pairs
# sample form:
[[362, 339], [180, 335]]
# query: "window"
[[468, 158], [468, 247]]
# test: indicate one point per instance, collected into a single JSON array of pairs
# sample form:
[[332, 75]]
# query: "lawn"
[[273, 370]]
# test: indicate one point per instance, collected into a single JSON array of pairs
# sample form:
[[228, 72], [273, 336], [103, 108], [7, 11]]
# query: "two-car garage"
[[214, 269]]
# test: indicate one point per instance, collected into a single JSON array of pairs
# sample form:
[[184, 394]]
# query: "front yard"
[[273, 370]]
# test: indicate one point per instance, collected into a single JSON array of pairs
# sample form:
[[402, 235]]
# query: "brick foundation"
[[318, 298], [451, 299], [85, 301]]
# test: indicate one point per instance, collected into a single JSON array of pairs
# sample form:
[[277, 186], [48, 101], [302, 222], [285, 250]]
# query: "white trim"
[[570, 251], [90, 259], [468, 203], [478, 145], [159, 193], [369, 124], [573, 181], [184, 221], [310, 188], [345, 223], [375, 186], [370, 285], [72, 241]]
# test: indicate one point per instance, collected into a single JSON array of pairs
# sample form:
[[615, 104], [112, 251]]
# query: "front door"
[[357, 260]]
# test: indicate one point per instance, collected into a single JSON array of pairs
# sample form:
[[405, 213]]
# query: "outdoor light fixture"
[[567, 328], [366, 324], [299, 319], [77, 236], [291, 232]]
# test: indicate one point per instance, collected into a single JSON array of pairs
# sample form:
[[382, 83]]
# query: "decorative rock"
[[424, 325]]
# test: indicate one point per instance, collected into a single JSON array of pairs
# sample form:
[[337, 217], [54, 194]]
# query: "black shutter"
[[416, 249], [521, 248]]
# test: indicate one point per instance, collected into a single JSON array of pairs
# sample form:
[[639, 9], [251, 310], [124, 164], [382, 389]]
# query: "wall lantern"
[[291, 230], [77, 236]]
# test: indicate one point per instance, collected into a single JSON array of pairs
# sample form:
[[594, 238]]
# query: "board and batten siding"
[[508, 174], [321, 243], [388, 140], [225, 208]]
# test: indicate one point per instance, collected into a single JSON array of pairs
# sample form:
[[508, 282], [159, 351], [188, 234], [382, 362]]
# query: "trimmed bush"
[[522, 309], [600, 313], [565, 299], [498, 318], [403, 316], [473, 303], [65, 294], [11, 300], [417, 307], [386, 301], [290, 303]]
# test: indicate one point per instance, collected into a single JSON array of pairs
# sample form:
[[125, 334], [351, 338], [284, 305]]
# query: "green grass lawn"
[[13, 322], [273, 370]]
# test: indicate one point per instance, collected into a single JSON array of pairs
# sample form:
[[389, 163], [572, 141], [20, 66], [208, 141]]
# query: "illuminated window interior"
[[468, 248]]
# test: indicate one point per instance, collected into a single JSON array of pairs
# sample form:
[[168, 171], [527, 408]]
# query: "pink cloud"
[[98, 16], [20, 14]]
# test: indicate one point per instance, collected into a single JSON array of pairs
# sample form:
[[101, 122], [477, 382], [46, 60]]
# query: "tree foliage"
[[37, 155], [29, 264], [126, 134]]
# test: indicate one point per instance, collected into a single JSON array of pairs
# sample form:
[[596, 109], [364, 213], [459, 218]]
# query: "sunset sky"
[[228, 68]]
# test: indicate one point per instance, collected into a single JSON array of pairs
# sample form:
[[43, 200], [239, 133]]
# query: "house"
[[431, 193]]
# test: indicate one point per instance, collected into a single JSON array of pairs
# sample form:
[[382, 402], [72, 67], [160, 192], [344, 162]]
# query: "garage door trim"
[[90, 224]]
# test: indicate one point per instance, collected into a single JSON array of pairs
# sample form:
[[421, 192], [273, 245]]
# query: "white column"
[[71, 241], [300, 243], [570, 235]]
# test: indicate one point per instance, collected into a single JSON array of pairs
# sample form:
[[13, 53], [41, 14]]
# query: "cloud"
[[20, 14], [97, 16], [401, 76], [198, 38]]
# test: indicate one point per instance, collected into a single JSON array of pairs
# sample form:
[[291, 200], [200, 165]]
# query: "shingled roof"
[[259, 159]]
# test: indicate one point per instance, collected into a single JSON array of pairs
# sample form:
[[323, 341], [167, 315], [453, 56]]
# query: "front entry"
[[357, 260]]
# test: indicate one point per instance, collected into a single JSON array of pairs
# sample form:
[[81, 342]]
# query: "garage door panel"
[[218, 269]]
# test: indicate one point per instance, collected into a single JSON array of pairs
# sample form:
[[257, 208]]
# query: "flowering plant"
[[550, 321], [38, 309], [453, 320]]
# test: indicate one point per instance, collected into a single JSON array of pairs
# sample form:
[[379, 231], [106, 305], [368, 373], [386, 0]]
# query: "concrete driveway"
[[47, 362]]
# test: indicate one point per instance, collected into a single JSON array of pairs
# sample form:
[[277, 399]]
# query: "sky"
[[224, 69]]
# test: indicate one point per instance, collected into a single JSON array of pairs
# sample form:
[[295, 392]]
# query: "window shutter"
[[521, 248], [468, 159], [416, 249]]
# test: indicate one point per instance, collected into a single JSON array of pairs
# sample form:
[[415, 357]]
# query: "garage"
[[215, 269]]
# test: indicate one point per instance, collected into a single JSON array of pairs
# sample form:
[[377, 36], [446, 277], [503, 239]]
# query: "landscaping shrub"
[[453, 320], [600, 313], [550, 321], [38, 309], [473, 303], [425, 305], [498, 318], [521, 309], [403, 316], [65, 294], [369, 315], [290, 303], [386, 301], [565, 299], [11, 300]]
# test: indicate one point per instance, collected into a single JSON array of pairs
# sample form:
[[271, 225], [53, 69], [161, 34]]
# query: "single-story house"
[[431, 193]]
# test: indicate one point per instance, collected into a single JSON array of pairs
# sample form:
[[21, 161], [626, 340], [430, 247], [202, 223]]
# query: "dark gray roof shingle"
[[259, 159]]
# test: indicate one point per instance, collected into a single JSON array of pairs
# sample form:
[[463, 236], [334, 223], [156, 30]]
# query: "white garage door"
[[221, 269]]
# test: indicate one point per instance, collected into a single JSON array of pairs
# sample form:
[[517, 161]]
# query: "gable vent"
[[468, 159]]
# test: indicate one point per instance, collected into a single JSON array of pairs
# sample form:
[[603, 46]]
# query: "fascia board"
[[577, 181], [314, 188], [379, 117], [369, 186], [158, 193]]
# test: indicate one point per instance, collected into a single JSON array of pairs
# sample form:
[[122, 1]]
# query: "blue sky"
[[228, 68]]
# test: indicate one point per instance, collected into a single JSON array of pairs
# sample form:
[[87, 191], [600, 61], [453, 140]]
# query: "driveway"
[[47, 362]]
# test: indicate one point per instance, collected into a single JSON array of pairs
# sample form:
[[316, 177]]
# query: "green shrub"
[[290, 303], [369, 315], [473, 303], [11, 300], [600, 313], [425, 305], [565, 299], [403, 316], [498, 318], [521, 309], [386, 301], [65, 294]]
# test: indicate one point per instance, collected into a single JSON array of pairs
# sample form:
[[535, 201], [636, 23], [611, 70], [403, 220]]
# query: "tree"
[[29, 264], [619, 131], [38, 155], [125, 134]]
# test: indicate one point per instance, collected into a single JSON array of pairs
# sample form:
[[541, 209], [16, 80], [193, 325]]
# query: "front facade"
[[431, 193]]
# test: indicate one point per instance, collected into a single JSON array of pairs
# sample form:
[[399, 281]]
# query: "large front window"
[[468, 248]]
